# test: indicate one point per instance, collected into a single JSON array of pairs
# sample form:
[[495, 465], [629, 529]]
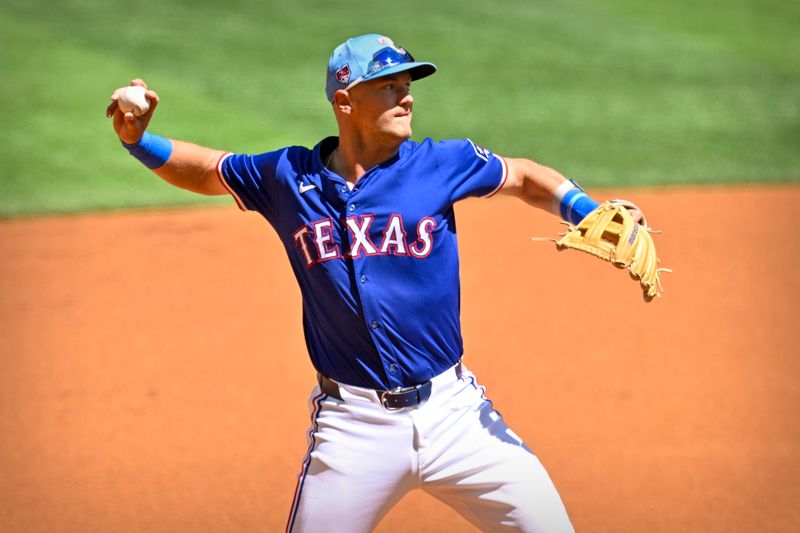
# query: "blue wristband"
[[575, 205], [152, 150]]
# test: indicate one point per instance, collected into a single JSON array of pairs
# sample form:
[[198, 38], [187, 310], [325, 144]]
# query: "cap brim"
[[417, 69]]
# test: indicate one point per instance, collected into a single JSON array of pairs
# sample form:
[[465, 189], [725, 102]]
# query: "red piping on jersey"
[[502, 181], [225, 184]]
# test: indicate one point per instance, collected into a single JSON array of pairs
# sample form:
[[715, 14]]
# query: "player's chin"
[[400, 134], [402, 127]]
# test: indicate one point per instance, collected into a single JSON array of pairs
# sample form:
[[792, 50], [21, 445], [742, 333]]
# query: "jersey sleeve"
[[251, 180], [469, 170]]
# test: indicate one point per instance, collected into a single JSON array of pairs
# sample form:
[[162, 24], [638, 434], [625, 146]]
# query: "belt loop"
[[459, 369], [329, 387]]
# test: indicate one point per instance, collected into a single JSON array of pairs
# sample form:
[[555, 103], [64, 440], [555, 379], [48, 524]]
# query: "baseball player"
[[367, 221]]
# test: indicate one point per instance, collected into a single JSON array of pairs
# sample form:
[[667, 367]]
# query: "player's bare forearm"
[[192, 167], [531, 182], [179, 163]]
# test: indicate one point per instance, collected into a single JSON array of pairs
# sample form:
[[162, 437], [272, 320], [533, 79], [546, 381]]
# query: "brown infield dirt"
[[153, 376]]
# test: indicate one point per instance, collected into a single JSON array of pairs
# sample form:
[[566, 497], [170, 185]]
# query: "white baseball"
[[132, 99]]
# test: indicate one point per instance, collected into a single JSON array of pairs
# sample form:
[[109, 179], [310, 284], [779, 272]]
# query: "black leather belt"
[[391, 399]]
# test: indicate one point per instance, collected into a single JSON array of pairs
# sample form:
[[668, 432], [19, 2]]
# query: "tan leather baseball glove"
[[611, 233]]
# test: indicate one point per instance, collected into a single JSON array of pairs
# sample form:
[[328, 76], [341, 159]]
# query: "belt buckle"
[[396, 390]]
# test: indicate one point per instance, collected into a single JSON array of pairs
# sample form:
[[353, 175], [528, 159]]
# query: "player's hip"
[[452, 390]]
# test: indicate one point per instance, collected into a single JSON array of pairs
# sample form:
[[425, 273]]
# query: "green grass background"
[[612, 93]]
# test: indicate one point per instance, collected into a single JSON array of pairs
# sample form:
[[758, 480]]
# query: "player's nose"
[[406, 100]]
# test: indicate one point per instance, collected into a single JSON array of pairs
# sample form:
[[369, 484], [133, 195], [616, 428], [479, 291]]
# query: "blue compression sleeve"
[[152, 150]]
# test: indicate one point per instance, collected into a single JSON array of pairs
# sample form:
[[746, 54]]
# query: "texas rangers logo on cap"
[[343, 74]]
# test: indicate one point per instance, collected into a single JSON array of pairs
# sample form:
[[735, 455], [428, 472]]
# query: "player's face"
[[381, 108]]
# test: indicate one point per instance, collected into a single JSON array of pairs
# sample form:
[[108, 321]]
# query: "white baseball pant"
[[362, 459]]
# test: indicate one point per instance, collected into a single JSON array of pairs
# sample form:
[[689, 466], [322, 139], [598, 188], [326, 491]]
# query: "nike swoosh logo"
[[306, 188]]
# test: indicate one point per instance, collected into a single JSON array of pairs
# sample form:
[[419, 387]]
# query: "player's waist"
[[391, 399]]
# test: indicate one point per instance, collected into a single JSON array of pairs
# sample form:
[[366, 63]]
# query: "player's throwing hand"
[[128, 126]]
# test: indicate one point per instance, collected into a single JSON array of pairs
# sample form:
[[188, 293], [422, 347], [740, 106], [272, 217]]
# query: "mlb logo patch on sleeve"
[[483, 153]]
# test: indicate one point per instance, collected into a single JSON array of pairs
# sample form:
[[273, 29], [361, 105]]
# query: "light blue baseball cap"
[[367, 57]]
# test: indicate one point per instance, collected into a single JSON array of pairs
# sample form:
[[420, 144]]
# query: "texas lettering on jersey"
[[317, 240]]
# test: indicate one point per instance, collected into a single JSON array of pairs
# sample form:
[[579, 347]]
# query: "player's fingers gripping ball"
[[132, 100], [611, 233]]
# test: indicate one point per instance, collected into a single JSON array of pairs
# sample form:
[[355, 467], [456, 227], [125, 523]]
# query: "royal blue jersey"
[[377, 265]]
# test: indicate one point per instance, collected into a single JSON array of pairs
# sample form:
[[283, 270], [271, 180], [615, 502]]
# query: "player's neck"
[[352, 159]]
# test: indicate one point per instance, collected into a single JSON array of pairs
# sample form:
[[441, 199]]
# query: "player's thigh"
[[354, 471], [490, 477], [334, 501], [514, 494]]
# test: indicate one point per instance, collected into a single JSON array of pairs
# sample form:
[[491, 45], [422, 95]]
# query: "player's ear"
[[341, 102]]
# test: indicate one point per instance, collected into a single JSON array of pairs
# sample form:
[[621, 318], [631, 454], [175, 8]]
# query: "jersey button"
[[393, 368], [363, 278], [352, 207], [375, 324]]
